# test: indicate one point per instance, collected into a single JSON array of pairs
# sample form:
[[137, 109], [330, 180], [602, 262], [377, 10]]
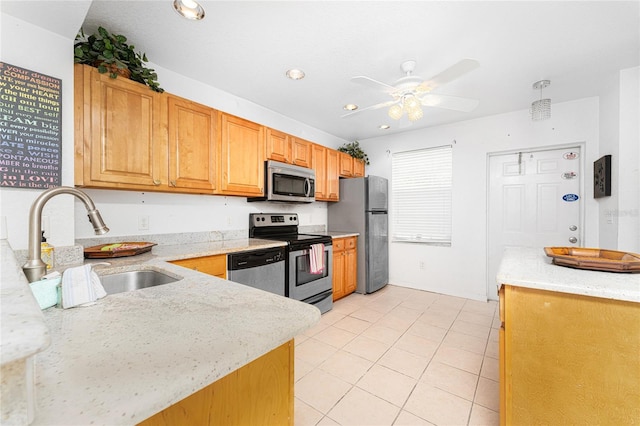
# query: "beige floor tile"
[[405, 313], [488, 394], [465, 342], [354, 325], [366, 348], [481, 416], [430, 332], [346, 366], [305, 415], [437, 406], [326, 421], [321, 390], [450, 379], [496, 323], [494, 335], [405, 418], [300, 338], [404, 362], [484, 308], [362, 408], [478, 319], [301, 368], [314, 352], [367, 314], [417, 345], [331, 317], [387, 384], [416, 305], [450, 301], [384, 304], [315, 329], [437, 318], [471, 329], [459, 358], [334, 336], [490, 368], [382, 333], [397, 323], [492, 349]]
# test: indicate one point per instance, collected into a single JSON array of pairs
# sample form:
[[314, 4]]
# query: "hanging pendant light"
[[541, 109]]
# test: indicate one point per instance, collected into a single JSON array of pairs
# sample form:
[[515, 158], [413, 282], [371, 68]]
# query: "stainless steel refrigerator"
[[363, 208]]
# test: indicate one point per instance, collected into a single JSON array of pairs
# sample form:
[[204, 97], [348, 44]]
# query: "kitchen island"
[[569, 343], [132, 355]]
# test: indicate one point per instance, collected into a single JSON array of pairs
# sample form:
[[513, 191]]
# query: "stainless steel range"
[[309, 258]]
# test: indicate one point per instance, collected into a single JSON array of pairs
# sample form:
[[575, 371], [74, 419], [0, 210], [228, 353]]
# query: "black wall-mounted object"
[[602, 177]]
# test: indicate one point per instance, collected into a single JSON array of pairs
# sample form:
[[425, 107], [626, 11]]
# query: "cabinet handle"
[[172, 183], [157, 182]]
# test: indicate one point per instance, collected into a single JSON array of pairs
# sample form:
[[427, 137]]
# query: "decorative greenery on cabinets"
[[354, 150], [111, 53]]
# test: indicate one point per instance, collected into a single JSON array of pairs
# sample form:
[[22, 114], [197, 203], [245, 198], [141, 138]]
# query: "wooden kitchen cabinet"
[[120, 134], [242, 155], [278, 146], [333, 176], [192, 146], [319, 165], [568, 359], [358, 168], [345, 267], [260, 393], [346, 164], [301, 152], [213, 265]]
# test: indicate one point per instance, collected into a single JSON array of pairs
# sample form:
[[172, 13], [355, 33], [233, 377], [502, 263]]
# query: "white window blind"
[[421, 196]]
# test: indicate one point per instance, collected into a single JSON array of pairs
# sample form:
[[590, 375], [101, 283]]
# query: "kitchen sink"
[[135, 280]]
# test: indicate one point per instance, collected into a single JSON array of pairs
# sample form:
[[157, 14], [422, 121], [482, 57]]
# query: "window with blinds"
[[421, 196]]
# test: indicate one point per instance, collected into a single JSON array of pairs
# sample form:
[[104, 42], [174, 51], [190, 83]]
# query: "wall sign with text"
[[30, 128]]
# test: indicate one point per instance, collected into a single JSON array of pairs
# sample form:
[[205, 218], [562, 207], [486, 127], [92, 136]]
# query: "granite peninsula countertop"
[[340, 234], [133, 354], [532, 268]]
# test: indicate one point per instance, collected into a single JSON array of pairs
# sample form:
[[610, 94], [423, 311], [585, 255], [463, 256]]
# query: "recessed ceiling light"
[[384, 127], [190, 9], [295, 74], [350, 107]]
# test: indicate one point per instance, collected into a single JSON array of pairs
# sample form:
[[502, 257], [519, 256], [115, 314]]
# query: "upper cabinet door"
[[320, 167], [346, 165], [278, 146], [125, 140], [241, 156], [192, 146], [333, 182], [358, 168], [301, 152]]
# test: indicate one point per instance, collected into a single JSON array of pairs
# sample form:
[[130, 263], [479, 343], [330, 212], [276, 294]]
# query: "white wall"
[[628, 216], [460, 270], [32, 47]]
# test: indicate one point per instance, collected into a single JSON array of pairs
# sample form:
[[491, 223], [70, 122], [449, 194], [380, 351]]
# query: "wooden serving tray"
[[594, 259], [117, 250]]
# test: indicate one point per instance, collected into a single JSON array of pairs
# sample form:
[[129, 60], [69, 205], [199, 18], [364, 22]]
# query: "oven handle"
[[318, 297]]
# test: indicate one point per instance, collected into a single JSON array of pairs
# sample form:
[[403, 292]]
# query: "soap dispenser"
[[46, 250]]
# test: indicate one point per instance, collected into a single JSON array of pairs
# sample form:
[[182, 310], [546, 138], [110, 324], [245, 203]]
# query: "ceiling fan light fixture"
[[540, 109], [415, 114], [295, 74], [395, 112], [189, 9], [410, 104]]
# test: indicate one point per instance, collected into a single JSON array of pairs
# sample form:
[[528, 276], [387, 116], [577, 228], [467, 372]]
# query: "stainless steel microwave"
[[287, 183]]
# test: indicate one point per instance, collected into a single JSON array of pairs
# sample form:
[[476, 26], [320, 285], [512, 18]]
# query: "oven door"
[[302, 283]]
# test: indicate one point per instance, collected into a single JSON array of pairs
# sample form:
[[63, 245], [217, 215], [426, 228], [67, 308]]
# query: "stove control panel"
[[263, 220]]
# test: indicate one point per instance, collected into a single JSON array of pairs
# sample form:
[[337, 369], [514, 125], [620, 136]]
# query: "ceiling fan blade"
[[454, 103], [376, 106], [370, 82], [453, 72]]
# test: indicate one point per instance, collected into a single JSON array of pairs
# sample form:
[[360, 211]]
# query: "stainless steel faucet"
[[35, 268]]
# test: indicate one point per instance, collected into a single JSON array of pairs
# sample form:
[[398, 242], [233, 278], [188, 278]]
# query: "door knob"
[[573, 228], [573, 240]]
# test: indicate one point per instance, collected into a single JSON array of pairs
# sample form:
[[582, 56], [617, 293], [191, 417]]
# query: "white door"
[[534, 201]]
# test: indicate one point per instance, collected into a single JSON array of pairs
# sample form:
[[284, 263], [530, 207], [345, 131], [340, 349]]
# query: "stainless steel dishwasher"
[[262, 269]]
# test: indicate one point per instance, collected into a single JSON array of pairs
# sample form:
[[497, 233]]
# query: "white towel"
[[81, 286], [316, 259]]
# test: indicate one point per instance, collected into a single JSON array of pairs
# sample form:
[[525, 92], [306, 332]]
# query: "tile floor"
[[399, 357]]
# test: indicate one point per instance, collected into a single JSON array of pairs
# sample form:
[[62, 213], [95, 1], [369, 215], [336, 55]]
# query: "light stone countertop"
[[340, 234], [133, 354], [532, 268]]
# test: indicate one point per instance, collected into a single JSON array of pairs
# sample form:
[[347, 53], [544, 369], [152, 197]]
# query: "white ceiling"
[[245, 48]]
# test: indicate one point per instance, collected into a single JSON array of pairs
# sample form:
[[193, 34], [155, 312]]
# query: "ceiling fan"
[[411, 92]]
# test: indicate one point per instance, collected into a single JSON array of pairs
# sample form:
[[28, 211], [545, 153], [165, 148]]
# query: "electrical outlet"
[[421, 265], [143, 223]]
